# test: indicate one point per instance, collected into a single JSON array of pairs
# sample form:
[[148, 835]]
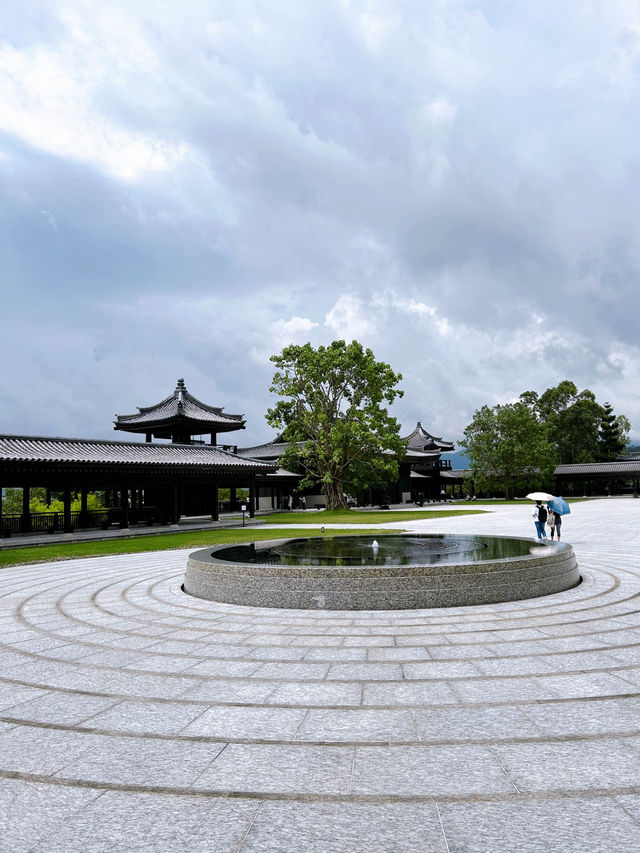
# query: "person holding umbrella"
[[559, 507], [539, 512], [539, 518], [557, 526]]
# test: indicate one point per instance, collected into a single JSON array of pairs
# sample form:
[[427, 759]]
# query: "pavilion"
[[180, 417], [143, 482]]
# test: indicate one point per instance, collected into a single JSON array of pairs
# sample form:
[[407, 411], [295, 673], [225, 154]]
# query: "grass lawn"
[[162, 542], [354, 516]]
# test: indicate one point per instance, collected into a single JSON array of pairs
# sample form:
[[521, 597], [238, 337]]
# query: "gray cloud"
[[185, 192]]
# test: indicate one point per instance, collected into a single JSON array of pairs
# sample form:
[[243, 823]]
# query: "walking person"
[[539, 515], [558, 525], [551, 521]]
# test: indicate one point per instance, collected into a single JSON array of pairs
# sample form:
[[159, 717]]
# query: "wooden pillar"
[[175, 509], [252, 497], [124, 520], [26, 515], [148, 438], [214, 438], [1, 530], [215, 514], [273, 497], [66, 499], [232, 497]]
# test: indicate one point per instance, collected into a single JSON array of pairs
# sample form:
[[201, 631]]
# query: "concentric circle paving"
[[134, 717]]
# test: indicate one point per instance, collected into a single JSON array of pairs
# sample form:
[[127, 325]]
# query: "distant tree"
[[333, 416], [577, 430], [613, 435], [575, 423], [508, 449], [12, 501]]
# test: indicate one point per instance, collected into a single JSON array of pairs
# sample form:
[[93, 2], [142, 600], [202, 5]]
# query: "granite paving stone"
[[13, 694], [142, 761], [345, 828], [409, 694], [361, 725], [440, 669], [138, 822], [228, 722], [579, 717], [279, 769], [62, 708], [166, 723], [30, 812], [31, 749], [473, 724], [365, 672], [575, 765], [296, 693], [428, 771], [569, 825], [221, 690], [145, 717]]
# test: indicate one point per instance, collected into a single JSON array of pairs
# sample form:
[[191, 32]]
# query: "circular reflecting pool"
[[391, 572], [388, 550]]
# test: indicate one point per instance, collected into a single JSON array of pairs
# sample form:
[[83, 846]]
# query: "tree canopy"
[[580, 428], [333, 415], [518, 445], [508, 449]]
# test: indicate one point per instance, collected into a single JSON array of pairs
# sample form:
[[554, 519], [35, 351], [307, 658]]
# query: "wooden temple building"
[[142, 481], [180, 467]]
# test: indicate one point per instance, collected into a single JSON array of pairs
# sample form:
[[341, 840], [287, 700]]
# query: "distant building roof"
[[625, 468], [80, 451], [179, 413], [271, 450], [274, 450], [420, 439]]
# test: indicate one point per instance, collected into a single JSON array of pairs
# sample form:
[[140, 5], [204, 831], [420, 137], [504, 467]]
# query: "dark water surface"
[[391, 550]]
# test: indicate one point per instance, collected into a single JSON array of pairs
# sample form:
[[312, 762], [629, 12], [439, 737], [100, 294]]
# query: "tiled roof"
[[630, 468], [275, 449], [14, 448], [181, 405], [270, 450], [420, 439], [417, 455]]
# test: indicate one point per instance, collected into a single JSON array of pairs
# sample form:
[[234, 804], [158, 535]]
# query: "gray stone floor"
[[135, 718]]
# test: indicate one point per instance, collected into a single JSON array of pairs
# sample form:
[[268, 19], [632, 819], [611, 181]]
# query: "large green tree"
[[581, 429], [508, 449], [333, 415]]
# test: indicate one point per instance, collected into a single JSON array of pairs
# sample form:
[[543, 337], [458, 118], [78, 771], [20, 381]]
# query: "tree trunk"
[[334, 496]]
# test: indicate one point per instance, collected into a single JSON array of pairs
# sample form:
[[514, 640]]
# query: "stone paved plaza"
[[136, 718]]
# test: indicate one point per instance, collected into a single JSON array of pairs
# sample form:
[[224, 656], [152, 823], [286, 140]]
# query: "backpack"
[[542, 515]]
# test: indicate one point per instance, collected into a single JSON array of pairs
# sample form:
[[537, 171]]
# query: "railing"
[[53, 522]]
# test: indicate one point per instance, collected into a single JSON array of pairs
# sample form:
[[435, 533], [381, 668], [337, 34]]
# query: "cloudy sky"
[[189, 186]]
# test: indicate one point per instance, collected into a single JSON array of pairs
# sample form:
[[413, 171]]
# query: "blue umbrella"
[[560, 506]]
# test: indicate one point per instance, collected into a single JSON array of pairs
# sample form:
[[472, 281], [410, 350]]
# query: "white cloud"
[[192, 188], [52, 98], [350, 319]]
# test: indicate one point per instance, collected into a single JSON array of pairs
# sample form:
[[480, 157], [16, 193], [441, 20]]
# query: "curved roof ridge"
[[180, 404], [420, 438]]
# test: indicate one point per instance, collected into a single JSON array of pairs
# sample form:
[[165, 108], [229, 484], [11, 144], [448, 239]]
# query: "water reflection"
[[392, 550]]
